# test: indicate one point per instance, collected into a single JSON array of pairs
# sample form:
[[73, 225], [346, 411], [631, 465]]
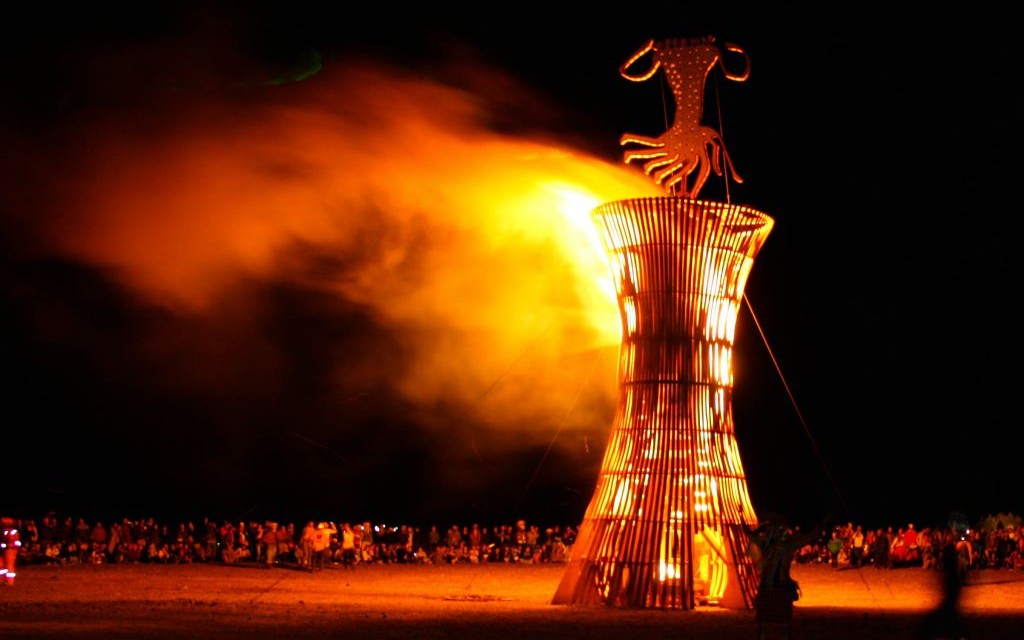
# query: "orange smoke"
[[477, 242]]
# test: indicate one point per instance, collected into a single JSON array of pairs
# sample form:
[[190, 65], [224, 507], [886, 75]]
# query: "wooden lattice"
[[667, 524]]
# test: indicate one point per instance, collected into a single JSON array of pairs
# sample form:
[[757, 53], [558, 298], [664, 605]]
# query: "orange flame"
[[481, 242]]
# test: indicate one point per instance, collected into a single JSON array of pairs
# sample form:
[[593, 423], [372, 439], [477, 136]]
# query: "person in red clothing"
[[912, 553], [10, 543]]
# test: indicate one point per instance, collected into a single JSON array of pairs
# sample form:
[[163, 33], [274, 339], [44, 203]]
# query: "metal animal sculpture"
[[688, 146]]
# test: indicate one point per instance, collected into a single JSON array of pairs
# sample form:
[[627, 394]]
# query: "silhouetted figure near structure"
[[945, 621], [773, 543]]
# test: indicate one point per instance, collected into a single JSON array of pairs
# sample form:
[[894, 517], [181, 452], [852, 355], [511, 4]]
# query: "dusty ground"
[[493, 602]]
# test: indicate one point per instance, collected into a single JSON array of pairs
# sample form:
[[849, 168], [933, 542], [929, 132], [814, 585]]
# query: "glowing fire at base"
[[667, 524]]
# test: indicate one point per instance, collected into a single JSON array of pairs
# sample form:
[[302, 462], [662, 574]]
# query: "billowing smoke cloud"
[[360, 241]]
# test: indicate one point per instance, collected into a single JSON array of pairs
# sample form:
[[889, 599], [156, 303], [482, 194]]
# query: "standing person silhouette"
[[945, 620], [880, 550], [773, 545]]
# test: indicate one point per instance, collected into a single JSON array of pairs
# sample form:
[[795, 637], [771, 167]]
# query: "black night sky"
[[211, 307]]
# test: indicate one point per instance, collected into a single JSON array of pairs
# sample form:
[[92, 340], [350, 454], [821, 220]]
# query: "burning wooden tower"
[[667, 524]]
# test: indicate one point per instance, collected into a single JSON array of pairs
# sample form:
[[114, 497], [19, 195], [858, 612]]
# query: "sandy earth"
[[493, 602]]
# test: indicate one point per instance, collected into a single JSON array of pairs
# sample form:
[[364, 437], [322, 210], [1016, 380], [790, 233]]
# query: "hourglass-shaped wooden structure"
[[668, 522]]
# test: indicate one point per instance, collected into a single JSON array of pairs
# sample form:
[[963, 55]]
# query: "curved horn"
[[641, 52], [740, 77]]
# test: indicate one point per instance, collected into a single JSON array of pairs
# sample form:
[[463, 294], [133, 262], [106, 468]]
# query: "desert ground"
[[462, 601]]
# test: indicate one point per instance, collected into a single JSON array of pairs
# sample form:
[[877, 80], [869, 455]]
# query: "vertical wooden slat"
[[680, 267]]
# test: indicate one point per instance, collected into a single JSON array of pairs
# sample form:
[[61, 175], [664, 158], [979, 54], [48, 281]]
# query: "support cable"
[[796, 407], [511, 366], [723, 150], [664, 115], [561, 425], [807, 431]]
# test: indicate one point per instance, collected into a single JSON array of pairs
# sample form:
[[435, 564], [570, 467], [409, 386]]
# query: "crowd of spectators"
[[69, 540], [851, 545]]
